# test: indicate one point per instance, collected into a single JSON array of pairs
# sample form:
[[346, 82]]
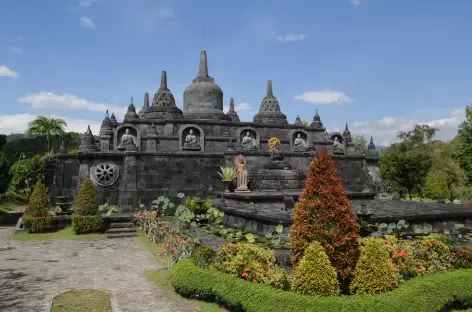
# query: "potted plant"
[[227, 175]]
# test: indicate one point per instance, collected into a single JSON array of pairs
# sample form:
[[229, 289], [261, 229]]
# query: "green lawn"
[[64, 234], [7, 206], [161, 277], [82, 301]]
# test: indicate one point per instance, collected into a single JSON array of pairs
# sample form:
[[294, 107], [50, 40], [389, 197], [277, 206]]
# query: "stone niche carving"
[[127, 136], [249, 139], [338, 147], [299, 141], [104, 174], [191, 138]]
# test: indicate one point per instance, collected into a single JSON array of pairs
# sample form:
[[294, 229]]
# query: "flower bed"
[[429, 293]]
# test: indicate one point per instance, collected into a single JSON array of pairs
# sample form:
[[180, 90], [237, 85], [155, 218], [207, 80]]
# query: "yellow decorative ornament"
[[273, 143]]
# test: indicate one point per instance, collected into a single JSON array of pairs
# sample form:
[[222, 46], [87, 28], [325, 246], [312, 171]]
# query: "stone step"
[[121, 230], [121, 235], [121, 225]]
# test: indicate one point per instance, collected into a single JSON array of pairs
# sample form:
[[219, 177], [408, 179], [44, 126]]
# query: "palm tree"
[[47, 126]]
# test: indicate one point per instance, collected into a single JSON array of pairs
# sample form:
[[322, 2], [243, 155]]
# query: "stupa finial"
[[203, 68], [164, 80], [269, 89]]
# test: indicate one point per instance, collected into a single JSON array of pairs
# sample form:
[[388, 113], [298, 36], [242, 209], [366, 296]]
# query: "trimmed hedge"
[[423, 294], [87, 224], [36, 224]]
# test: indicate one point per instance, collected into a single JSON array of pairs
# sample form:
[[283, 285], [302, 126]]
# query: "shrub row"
[[423, 294], [87, 224]]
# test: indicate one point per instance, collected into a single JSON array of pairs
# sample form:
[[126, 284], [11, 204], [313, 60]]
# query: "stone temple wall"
[[142, 177]]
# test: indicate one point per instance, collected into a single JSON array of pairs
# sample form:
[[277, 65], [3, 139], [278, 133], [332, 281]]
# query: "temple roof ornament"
[[131, 114], [298, 121], [269, 111], [372, 152], [114, 122], [88, 141], [107, 126], [163, 103], [347, 134], [316, 123], [203, 98], [232, 113], [143, 110]]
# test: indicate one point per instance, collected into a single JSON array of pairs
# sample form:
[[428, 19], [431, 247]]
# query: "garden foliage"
[[324, 214], [204, 256], [374, 271], [87, 217], [435, 187], [38, 204], [86, 224], [5, 176], [25, 174], [314, 274]]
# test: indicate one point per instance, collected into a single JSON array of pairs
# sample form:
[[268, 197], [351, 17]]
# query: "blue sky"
[[380, 65]]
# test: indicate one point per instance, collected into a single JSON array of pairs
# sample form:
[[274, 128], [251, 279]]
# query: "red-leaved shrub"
[[324, 214]]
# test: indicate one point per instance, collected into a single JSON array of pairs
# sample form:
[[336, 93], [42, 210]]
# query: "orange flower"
[[254, 280], [244, 275], [276, 284]]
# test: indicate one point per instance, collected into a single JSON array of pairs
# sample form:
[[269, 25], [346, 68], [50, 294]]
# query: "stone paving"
[[33, 272]]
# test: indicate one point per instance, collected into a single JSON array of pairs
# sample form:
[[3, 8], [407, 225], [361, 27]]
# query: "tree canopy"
[[47, 126]]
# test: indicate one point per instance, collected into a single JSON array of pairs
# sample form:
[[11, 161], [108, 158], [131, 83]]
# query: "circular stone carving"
[[273, 143], [105, 174]]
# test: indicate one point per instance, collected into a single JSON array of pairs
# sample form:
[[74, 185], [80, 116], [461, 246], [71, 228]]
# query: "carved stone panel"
[[104, 174], [299, 141], [127, 135], [338, 146]]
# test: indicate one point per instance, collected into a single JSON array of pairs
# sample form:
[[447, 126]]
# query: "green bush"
[[314, 274], [196, 206], [87, 224], [37, 224], [423, 294], [374, 271], [38, 205], [25, 174], [86, 201], [435, 187], [204, 256], [4, 173]]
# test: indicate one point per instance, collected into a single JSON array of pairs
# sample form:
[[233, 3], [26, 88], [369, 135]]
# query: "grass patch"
[[82, 301], [161, 277], [7, 206], [63, 234]]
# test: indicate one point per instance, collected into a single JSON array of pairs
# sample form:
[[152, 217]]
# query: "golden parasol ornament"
[[273, 143]]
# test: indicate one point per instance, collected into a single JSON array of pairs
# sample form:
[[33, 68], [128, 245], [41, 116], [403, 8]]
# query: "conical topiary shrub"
[[86, 201], [38, 204], [374, 271], [324, 214], [87, 217], [314, 274]]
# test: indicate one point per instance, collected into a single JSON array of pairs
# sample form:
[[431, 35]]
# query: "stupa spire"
[[347, 128], [231, 104], [164, 80], [203, 68], [146, 100], [269, 89]]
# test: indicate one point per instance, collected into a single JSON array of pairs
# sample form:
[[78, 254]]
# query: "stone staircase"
[[121, 226]]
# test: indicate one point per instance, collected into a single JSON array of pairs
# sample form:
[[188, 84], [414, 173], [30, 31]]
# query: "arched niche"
[[339, 136], [196, 144], [241, 133], [293, 135], [121, 129]]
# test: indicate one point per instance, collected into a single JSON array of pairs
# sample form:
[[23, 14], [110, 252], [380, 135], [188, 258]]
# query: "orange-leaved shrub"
[[324, 214]]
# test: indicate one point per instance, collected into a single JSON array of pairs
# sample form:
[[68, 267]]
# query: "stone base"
[[191, 148], [276, 180]]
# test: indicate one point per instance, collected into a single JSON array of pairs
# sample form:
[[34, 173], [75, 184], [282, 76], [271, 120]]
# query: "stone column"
[[129, 192], [105, 143]]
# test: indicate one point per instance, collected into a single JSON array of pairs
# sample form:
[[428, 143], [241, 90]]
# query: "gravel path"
[[32, 273]]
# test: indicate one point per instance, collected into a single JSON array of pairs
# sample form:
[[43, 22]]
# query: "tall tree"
[[360, 144], [3, 141], [445, 165], [406, 164], [464, 146], [47, 126]]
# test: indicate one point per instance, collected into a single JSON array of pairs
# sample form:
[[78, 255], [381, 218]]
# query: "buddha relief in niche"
[[338, 147], [191, 140], [300, 142], [248, 140], [127, 139]]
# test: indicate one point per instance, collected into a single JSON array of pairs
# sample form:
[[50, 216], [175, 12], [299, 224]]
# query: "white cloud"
[[291, 37], [241, 107], [16, 50], [355, 2], [86, 3], [165, 13], [68, 101], [385, 129], [87, 22], [325, 96], [18, 123], [7, 72]]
